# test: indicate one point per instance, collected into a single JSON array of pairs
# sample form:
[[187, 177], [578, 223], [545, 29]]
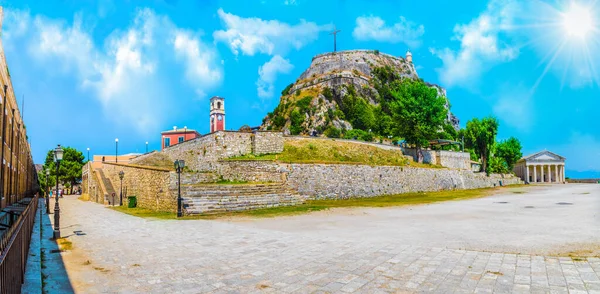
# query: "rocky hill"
[[341, 91]]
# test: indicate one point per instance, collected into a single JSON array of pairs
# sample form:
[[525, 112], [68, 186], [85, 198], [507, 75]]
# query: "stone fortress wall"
[[287, 184], [342, 181], [155, 188]]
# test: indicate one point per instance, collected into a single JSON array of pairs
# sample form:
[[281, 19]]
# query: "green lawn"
[[317, 205]]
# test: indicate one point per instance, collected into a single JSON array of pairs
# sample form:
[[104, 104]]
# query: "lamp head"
[[116, 139], [121, 174], [58, 153]]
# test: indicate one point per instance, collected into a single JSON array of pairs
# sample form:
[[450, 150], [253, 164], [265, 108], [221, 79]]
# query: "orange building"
[[176, 136]]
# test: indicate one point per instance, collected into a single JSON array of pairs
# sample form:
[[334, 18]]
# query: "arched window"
[[218, 105]]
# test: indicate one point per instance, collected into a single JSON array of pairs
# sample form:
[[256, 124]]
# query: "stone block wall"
[[251, 171], [337, 181], [452, 159], [267, 142], [201, 154], [449, 159], [152, 186], [429, 156]]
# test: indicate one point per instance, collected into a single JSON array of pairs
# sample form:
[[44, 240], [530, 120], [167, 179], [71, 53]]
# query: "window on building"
[[180, 139], [167, 142], [218, 105]]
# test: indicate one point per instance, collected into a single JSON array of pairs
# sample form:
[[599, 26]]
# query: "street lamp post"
[[116, 149], [146, 146], [121, 175], [179, 165], [47, 192], [184, 133], [88, 150], [58, 155]]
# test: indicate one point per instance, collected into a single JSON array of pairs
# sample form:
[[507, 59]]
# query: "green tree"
[[481, 136], [510, 151], [70, 167], [419, 113], [296, 119], [498, 165]]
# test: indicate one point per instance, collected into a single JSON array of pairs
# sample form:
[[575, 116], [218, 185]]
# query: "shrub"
[[328, 94], [296, 122], [357, 134], [304, 103], [278, 121], [286, 91], [333, 132]]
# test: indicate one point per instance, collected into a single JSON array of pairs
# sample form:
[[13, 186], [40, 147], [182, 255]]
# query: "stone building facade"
[[18, 176], [541, 167]]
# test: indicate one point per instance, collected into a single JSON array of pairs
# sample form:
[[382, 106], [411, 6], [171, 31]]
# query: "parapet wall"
[[202, 154], [449, 159], [267, 143]]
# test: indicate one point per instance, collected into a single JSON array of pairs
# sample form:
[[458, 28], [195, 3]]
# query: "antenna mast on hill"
[[334, 33]]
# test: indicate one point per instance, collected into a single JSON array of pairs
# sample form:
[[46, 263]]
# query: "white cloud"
[[200, 60], [374, 28], [480, 46], [289, 2], [254, 35], [268, 74], [130, 74], [514, 107]]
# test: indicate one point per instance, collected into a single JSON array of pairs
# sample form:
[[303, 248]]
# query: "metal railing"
[[14, 245]]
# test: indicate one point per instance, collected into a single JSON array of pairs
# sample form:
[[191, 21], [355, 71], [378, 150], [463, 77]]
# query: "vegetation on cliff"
[[382, 108]]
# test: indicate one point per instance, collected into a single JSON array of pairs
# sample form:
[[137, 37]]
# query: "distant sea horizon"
[[572, 174]]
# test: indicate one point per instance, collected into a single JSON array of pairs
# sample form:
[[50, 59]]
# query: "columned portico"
[[542, 167]]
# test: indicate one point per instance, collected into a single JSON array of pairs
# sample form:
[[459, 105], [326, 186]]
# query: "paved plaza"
[[517, 241]]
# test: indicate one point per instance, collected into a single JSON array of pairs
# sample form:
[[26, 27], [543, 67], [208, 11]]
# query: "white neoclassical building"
[[541, 167]]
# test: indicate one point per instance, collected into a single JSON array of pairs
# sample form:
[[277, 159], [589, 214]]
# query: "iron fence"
[[14, 244]]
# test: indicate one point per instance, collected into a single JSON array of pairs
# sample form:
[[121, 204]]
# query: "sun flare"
[[577, 21]]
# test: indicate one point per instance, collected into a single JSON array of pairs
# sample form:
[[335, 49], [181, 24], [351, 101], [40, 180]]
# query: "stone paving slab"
[[118, 253]]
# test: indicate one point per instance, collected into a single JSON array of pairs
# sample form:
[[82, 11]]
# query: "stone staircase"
[[215, 198], [107, 186]]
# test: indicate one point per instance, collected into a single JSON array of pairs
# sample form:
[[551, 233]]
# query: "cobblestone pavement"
[[120, 253]]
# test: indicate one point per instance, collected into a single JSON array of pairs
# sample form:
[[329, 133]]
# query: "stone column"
[[526, 173], [556, 180], [549, 174], [535, 173], [541, 173]]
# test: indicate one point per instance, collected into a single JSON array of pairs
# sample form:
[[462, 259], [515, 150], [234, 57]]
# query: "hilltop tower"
[[217, 114], [408, 56]]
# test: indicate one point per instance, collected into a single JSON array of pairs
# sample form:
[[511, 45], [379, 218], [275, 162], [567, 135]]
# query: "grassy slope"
[[157, 159], [331, 151], [317, 205]]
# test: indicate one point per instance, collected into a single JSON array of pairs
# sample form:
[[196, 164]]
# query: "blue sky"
[[92, 71]]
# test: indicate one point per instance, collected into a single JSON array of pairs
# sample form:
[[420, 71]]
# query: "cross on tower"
[[334, 33]]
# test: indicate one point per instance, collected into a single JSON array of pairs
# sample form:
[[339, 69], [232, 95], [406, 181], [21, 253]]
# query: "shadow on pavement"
[[54, 274]]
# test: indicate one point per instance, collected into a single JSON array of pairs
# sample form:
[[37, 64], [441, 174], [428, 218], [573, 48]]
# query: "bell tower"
[[408, 56], [217, 114]]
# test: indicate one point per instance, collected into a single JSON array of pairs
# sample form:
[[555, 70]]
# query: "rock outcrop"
[[316, 101]]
